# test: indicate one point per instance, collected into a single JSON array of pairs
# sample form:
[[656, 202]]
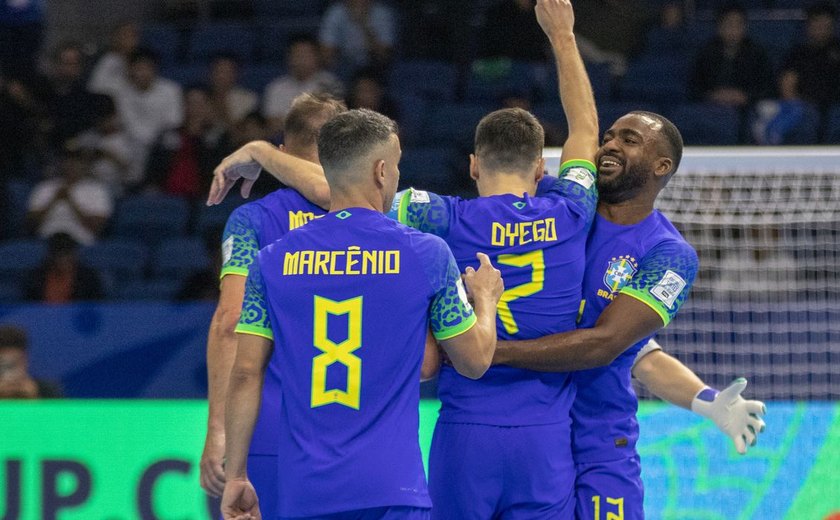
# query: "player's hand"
[[735, 416], [212, 470], [239, 501], [556, 17], [486, 283], [238, 165]]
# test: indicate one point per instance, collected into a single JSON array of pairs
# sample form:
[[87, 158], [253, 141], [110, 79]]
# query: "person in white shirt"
[[306, 74], [111, 70], [72, 203], [231, 101]]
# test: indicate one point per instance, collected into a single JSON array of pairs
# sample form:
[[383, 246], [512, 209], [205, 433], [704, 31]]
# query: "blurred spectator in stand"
[[230, 101], [70, 105], [111, 70], [181, 161], [306, 74], [72, 203], [368, 91], [147, 104], [816, 63], [204, 285], [111, 149], [15, 380], [21, 128], [510, 30], [731, 69], [356, 34], [255, 128], [62, 278], [611, 31], [21, 29]]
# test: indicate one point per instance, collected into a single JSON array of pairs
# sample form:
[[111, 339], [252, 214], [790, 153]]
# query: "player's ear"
[[663, 166], [473, 167], [379, 172], [539, 173]]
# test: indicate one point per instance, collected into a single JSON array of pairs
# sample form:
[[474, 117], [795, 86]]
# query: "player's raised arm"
[[471, 352], [557, 19], [246, 163], [740, 419]]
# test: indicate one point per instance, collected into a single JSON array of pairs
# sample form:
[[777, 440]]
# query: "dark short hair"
[[510, 138], [308, 113], [301, 38], [351, 135], [671, 139], [730, 8], [143, 54], [14, 337]]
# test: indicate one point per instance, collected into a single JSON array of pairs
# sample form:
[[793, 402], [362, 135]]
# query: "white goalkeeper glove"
[[735, 416]]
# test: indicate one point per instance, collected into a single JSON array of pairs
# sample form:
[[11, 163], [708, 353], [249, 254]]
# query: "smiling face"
[[629, 158]]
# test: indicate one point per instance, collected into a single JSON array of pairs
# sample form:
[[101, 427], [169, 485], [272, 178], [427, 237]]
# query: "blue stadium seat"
[[158, 289], [257, 77], [20, 256], [805, 132], [490, 82], [431, 80], [411, 112], [777, 37], [11, 291], [187, 74], [704, 124], [212, 218], [272, 41], [17, 201], [832, 126], [122, 259], [177, 258], [164, 40], [545, 81], [552, 113], [427, 168], [287, 8], [448, 124], [655, 77], [151, 217], [222, 37]]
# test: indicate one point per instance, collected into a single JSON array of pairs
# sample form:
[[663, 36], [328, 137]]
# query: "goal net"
[[766, 225]]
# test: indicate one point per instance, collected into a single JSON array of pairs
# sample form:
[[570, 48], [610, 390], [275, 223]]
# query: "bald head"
[[668, 138]]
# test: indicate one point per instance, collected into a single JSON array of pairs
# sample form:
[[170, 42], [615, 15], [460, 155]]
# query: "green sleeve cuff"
[[579, 163], [648, 300], [239, 271], [255, 331], [457, 330], [402, 210]]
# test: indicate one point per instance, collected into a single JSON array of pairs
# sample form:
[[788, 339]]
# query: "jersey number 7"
[[536, 261]]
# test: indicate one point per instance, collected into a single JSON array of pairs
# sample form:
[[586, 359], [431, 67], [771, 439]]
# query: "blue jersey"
[[250, 228], [348, 300], [649, 261], [538, 243]]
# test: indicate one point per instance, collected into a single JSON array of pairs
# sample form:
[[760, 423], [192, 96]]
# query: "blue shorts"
[[481, 472], [376, 513], [613, 487]]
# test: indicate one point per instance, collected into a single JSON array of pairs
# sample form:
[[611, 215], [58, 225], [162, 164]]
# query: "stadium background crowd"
[[108, 146]]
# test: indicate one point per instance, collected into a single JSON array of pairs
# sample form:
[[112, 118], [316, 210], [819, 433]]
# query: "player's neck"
[[355, 199], [504, 184], [626, 213]]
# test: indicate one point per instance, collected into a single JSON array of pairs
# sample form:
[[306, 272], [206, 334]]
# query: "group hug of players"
[[314, 403]]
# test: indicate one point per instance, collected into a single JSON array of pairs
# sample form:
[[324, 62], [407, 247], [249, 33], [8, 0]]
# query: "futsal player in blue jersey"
[[249, 228], [344, 303], [638, 274]]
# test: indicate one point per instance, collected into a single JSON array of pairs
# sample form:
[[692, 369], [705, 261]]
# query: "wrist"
[[563, 39]]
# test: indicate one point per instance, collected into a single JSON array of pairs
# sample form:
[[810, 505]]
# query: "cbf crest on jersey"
[[620, 270]]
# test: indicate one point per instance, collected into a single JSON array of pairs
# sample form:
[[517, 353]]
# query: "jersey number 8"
[[337, 352]]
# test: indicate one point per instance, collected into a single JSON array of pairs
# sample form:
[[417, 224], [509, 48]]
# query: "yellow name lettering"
[[520, 233]]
